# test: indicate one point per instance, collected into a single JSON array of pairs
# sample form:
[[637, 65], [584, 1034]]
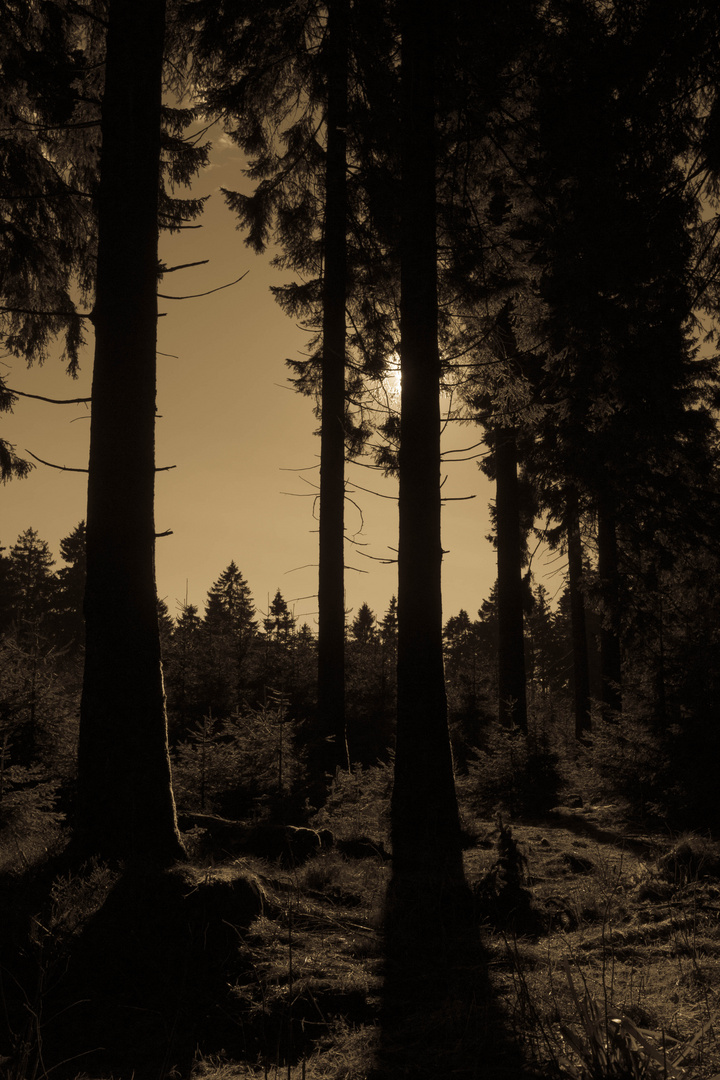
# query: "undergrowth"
[[602, 955]]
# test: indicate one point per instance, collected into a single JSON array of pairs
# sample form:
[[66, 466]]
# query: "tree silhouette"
[[427, 860], [125, 806]]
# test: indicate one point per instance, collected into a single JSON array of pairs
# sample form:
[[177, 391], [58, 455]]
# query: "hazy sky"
[[231, 424]]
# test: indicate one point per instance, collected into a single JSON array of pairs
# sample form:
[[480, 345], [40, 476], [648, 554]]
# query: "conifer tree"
[[185, 668], [331, 577], [279, 624], [427, 860], [363, 627], [388, 626], [31, 584], [229, 608], [229, 629], [50, 123], [69, 627], [125, 803]]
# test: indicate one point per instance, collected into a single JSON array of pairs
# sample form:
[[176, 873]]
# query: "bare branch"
[[168, 532], [377, 558], [182, 266], [62, 468], [194, 296], [51, 401], [165, 468], [393, 498], [472, 457], [466, 449], [363, 464]]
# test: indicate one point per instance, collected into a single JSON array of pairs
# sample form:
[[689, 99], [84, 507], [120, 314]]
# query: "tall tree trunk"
[[125, 802], [427, 857], [331, 591], [511, 641], [608, 572], [578, 626], [660, 711]]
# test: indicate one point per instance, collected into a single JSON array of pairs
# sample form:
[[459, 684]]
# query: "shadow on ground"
[[439, 1014], [147, 977]]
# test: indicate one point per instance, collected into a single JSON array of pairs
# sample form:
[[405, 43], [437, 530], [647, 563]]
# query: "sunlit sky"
[[235, 430]]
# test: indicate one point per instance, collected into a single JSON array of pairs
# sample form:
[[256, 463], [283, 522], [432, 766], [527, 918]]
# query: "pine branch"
[[48, 314]]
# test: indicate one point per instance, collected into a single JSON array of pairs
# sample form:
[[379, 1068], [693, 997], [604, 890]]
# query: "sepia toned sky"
[[235, 430]]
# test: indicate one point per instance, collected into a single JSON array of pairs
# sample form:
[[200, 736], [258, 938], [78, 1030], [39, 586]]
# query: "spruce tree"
[[69, 626], [31, 584], [427, 859], [125, 806]]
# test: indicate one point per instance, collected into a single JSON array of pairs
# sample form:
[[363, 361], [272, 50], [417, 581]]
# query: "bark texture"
[[125, 802]]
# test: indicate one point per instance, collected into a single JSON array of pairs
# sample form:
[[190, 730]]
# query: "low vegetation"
[[598, 952]]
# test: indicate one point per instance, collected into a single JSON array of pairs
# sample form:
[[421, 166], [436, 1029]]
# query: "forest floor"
[[594, 940]]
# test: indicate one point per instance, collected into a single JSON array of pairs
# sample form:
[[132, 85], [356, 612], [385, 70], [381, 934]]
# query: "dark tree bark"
[[660, 711], [610, 653], [427, 858], [511, 642], [331, 588], [578, 624], [125, 802]]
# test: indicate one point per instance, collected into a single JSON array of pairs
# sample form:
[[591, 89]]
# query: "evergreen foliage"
[[249, 764]]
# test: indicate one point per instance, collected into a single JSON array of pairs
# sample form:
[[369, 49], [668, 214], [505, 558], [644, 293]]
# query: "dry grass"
[[641, 939], [626, 945]]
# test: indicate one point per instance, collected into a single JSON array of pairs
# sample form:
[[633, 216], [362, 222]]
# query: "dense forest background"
[[513, 206], [242, 702]]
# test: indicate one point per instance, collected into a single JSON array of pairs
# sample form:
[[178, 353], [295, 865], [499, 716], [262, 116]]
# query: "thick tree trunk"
[[125, 802], [511, 643], [608, 572], [427, 858], [331, 589], [578, 625]]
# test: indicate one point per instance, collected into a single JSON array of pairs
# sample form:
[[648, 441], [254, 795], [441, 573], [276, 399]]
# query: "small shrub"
[[76, 897], [359, 803], [514, 773], [248, 763], [691, 858], [502, 895], [633, 764], [30, 824]]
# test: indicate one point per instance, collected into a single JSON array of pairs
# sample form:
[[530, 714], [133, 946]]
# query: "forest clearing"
[[233, 965]]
